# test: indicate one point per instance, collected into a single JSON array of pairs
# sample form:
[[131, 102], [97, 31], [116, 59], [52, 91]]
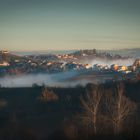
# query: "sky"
[[34, 25]]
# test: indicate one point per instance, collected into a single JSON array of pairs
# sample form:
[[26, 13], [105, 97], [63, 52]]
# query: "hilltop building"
[[4, 64], [115, 67], [137, 63]]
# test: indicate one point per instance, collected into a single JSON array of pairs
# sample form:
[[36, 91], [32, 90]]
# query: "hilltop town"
[[11, 64]]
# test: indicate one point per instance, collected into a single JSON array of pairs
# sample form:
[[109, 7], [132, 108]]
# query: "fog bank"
[[120, 62], [39, 79]]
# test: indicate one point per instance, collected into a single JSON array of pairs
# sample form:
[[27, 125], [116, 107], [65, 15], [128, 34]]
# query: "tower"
[[4, 56]]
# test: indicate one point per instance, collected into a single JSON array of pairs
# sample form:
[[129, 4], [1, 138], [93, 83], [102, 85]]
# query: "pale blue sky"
[[27, 25]]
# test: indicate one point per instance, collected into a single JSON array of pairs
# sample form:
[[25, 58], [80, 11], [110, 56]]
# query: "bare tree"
[[48, 96], [3, 103], [90, 107], [119, 108]]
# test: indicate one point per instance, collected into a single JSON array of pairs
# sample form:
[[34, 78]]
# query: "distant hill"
[[93, 53], [135, 53], [43, 52], [11, 57]]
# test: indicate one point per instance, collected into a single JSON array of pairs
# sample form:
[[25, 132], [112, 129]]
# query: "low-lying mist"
[[121, 62], [60, 79], [40, 79]]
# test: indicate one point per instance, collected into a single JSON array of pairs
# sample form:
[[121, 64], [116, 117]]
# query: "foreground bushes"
[[104, 112]]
